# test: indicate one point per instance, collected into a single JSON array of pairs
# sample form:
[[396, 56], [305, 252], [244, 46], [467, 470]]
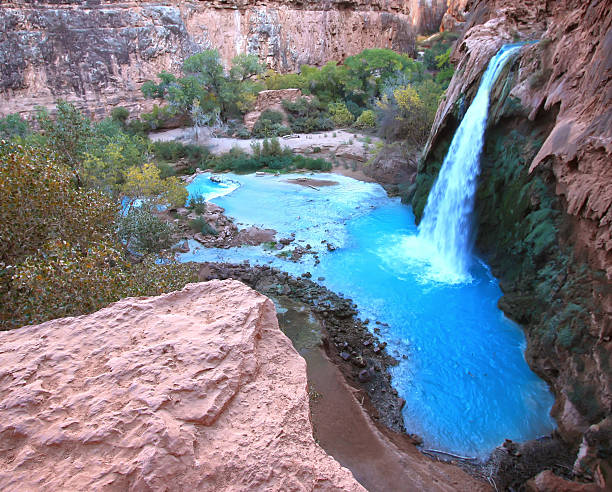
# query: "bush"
[[266, 129], [165, 170], [301, 162], [277, 81], [120, 115], [307, 116], [242, 132], [439, 47], [272, 116], [198, 205], [60, 253], [12, 126], [243, 163], [158, 117], [406, 112], [145, 183], [174, 151], [354, 108], [270, 124], [203, 227], [444, 76], [340, 114], [367, 119], [144, 232]]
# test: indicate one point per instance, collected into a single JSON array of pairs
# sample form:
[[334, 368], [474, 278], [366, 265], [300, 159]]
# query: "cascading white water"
[[447, 215]]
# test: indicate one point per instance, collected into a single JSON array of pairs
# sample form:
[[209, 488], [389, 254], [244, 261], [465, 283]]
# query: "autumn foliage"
[[59, 251]]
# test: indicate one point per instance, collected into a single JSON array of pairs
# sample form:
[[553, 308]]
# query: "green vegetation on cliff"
[[335, 94]]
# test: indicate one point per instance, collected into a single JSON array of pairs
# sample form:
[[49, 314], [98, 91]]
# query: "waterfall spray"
[[446, 220]]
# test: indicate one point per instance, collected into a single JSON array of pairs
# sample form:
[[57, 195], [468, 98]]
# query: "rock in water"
[[193, 390]]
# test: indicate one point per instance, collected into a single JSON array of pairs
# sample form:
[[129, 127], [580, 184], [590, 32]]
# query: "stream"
[[462, 369]]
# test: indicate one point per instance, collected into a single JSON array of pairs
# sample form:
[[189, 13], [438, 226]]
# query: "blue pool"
[[462, 369]]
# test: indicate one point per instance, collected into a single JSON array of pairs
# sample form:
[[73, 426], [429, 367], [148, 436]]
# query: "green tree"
[[69, 135], [144, 232], [340, 114], [145, 183], [152, 90], [207, 69], [244, 67], [13, 125]]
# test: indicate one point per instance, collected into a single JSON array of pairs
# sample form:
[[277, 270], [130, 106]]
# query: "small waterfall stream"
[[447, 216]]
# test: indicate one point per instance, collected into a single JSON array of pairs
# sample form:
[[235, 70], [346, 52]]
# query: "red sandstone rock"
[[547, 481], [98, 54], [193, 390]]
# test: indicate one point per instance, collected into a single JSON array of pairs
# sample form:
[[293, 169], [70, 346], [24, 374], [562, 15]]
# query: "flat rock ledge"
[[193, 390]]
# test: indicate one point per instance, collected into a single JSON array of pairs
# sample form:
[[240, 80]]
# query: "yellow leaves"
[[146, 183], [383, 102], [246, 102], [407, 98]]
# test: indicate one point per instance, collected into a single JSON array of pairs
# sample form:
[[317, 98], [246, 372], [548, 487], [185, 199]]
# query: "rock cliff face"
[[98, 53], [544, 204], [193, 390]]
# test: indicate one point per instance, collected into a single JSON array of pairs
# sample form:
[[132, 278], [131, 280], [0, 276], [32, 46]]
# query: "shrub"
[[266, 129], [439, 47], [120, 115], [144, 232], [270, 124], [301, 162], [242, 132], [444, 76], [272, 116], [173, 151], [69, 134], [354, 108], [203, 227], [60, 253], [198, 205], [276, 81], [145, 183], [165, 170], [243, 163], [367, 119], [407, 112], [307, 116], [12, 126], [340, 114], [158, 117]]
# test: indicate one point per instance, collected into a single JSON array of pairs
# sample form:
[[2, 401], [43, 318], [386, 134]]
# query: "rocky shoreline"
[[359, 354], [362, 357], [364, 362]]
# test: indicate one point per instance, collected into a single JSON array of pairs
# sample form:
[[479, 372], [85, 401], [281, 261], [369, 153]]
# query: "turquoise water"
[[447, 217], [462, 370]]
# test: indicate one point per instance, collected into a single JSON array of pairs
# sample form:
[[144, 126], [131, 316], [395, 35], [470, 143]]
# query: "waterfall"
[[447, 216]]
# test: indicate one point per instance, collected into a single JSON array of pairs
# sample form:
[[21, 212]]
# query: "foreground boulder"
[[192, 390]]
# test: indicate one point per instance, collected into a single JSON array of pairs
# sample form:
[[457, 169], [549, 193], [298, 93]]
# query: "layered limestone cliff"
[[544, 204], [192, 390], [98, 53]]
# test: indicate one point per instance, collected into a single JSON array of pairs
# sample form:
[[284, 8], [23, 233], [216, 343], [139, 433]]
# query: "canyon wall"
[[544, 203], [98, 53], [193, 390]]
